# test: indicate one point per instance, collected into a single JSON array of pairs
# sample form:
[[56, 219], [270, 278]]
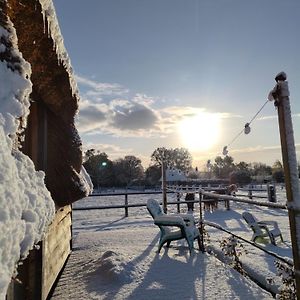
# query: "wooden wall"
[[41, 268], [56, 248]]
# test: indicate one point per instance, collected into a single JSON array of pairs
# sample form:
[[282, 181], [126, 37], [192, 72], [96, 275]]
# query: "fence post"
[[280, 94], [271, 193], [178, 204], [201, 225], [250, 194], [164, 186], [126, 205]]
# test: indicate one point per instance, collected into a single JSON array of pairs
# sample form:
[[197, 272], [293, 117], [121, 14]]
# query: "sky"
[[177, 73]]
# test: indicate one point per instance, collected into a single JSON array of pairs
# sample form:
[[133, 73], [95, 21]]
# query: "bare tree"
[[178, 158]]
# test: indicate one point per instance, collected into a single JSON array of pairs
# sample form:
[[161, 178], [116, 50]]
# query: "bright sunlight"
[[201, 131]]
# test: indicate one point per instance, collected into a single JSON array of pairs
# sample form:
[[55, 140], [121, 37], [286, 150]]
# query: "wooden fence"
[[178, 202]]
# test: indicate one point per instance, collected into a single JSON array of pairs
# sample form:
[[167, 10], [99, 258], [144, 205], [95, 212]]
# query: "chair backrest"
[[252, 222], [154, 208], [249, 218]]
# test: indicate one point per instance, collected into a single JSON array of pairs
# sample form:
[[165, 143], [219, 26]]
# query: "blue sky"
[[144, 68]]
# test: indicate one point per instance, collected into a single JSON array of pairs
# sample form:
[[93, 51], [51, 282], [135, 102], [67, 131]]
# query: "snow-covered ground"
[[115, 257]]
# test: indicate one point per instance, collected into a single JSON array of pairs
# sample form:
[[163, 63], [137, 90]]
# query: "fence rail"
[[217, 226], [178, 202]]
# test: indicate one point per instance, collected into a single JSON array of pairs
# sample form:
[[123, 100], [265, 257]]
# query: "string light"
[[245, 130]]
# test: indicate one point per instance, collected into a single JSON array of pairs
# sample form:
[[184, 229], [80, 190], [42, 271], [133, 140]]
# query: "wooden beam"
[[288, 150]]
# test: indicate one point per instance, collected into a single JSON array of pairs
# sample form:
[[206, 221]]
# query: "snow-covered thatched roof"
[[38, 102], [53, 88]]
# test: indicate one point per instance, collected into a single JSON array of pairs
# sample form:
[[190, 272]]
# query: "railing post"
[[201, 225], [164, 186], [250, 194], [126, 205], [271, 189], [280, 94], [178, 204]]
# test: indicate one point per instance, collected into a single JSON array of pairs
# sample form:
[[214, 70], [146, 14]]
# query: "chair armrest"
[[273, 223], [166, 220], [187, 218]]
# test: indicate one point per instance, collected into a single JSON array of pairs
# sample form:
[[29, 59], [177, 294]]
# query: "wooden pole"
[[126, 205], [201, 224], [164, 186], [250, 194], [178, 204], [281, 95]]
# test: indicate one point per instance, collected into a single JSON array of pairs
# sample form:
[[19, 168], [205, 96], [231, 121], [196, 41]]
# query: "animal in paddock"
[[190, 197], [211, 204]]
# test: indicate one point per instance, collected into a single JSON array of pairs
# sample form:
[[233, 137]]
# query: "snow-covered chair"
[[262, 229], [185, 224]]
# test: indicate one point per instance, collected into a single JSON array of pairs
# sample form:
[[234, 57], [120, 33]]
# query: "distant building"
[[174, 175]]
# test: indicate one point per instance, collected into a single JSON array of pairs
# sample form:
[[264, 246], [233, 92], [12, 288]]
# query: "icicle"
[[53, 31], [44, 20]]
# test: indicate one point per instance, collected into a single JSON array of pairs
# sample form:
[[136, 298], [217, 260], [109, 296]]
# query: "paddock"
[[96, 231]]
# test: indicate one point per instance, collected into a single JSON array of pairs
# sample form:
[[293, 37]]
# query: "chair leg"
[[272, 239], [281, 237], [199, 243], [160, 246], [190, 244]]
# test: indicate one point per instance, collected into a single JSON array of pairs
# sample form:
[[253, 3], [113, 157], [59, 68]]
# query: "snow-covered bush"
[[233, 249], [287, 275]]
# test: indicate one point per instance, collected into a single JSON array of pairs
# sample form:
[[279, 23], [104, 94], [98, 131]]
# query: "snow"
[[85, 181], [26, 206], [115, 257], [15, 87]]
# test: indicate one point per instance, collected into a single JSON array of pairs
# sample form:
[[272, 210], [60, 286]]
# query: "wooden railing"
[[178, 202]]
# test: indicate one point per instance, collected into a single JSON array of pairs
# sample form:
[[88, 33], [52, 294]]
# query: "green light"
[[104, 163]]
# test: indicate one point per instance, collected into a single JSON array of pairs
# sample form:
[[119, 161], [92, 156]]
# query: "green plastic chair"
[[185, 227], [262, 229]]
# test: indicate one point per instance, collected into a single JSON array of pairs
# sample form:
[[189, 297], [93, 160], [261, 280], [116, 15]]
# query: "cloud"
[[99, 91], [108, 108], [171, 116], [113, 151], [133, 116], [120, 117], [261, 149], [274, 117], [91, 116]]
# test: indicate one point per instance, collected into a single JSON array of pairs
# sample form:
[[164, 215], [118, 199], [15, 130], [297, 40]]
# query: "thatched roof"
[[52, 89]]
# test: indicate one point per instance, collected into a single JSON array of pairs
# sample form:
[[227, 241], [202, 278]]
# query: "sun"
[[201, 131]]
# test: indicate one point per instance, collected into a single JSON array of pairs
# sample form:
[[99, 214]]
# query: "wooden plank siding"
[[56, 248], [39, 271]]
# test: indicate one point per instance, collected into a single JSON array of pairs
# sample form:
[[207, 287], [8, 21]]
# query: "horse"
[[211, 204]]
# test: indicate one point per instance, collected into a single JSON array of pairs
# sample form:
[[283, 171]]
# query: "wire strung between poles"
[[247, 125]]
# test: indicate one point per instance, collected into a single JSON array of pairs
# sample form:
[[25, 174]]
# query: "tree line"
[[128, 171]]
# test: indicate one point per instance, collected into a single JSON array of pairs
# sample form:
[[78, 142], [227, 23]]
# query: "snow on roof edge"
[[49, 15]]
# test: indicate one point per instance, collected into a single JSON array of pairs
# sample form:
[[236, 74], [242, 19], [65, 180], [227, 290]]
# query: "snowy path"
[[116, 259]]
